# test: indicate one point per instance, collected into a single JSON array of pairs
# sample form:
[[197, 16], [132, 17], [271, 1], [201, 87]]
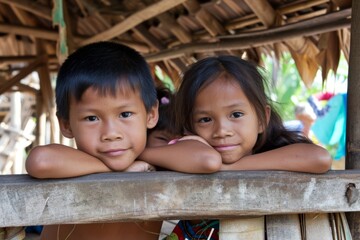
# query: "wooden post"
[[18, 155], [353, 113]]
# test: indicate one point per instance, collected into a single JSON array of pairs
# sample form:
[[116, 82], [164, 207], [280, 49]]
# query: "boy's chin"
[[118, 165]]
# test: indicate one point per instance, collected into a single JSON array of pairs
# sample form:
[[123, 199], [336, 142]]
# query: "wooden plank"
[[283, 227], [242, 228], [171, 195], [317, 226], [133, 20]]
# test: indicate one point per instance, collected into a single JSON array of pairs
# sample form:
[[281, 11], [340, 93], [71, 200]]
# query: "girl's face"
[[225, 118]]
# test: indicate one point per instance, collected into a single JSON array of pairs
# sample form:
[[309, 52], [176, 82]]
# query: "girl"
[[222, 100]]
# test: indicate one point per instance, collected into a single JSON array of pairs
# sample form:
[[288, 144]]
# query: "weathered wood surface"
[[170, 195], [353, 111]]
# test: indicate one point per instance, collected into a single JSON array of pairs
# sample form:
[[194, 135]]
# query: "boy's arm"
[[186, 155], [298, 157], [60, 161]]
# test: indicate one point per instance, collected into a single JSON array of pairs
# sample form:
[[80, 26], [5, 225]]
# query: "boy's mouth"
[[114, 152]]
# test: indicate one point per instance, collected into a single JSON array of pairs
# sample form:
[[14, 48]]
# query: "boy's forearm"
[[190, 156], [60, 161], [300, 157]]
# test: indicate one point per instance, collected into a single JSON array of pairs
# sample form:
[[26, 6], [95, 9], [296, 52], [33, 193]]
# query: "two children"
[[106, 101]]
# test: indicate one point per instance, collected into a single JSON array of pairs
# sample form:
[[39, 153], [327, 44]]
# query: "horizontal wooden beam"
[[321, 24], [170, 195], [133, 20]]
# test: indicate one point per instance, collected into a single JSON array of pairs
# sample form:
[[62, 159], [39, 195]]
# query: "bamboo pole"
[[353, 113]]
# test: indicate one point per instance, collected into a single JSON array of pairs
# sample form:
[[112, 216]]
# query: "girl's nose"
[[222, 129]]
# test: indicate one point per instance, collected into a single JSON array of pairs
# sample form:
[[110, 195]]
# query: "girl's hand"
[[140, 166]]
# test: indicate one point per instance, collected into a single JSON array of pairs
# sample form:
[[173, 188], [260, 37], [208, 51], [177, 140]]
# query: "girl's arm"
[[189, 154], [298, 157], [60, 161]]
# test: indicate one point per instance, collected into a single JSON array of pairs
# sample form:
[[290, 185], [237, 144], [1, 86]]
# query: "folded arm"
[[298, 157], [60, 161], [189, 154]]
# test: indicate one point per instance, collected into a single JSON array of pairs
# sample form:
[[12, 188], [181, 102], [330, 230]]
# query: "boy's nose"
[[111, 132]]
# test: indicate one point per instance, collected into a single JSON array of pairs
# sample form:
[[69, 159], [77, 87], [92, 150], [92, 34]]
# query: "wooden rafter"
[[22, 74], [244, 42], [31, 6], [170, 23], [208, 21], [133, 20]]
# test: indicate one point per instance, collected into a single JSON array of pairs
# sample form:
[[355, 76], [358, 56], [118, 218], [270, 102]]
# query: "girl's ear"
[[153, 116], [263, 126], [65, 128]]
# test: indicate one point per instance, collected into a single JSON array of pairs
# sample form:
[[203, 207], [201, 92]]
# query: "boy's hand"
[[140, 166], [194, 137]]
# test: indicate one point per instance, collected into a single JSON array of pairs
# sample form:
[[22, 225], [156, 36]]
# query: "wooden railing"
[[169, 195]]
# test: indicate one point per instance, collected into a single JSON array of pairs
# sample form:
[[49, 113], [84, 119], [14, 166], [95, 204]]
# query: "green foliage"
[[287, 89], [165, 79]]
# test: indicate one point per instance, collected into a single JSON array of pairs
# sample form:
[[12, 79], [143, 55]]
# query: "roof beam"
[[132, 21], [305, 28], [31, 6]]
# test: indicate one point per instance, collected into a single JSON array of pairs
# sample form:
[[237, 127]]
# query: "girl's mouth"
[[223, 148]]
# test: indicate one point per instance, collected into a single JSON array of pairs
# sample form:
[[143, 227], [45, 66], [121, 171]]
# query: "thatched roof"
[[175, 33], [36, 35]]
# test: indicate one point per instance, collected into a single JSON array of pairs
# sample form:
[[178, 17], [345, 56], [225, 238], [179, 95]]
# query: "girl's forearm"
[[60, 161], [299, 157]]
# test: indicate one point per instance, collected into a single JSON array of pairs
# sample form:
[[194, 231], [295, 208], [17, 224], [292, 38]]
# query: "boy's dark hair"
[[251, 81], [166, 111], [105, 66]]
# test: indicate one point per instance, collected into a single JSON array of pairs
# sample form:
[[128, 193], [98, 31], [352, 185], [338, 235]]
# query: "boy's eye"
[[204, 120], [91, 118], [125, 114], [237, 114]]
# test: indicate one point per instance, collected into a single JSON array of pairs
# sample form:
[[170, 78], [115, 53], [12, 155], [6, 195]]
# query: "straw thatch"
[[37, 35], [175, 33]]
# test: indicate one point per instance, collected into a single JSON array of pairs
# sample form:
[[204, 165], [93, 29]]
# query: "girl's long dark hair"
[[251, 81]]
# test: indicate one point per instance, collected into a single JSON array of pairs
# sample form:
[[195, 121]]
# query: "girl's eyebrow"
[[234, 105]]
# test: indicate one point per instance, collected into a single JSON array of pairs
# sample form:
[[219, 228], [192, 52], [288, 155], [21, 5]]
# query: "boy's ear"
[[153, 116], [263, 126], [65, 128]]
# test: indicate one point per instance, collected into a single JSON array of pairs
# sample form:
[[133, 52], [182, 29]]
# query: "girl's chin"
[[228, 160]]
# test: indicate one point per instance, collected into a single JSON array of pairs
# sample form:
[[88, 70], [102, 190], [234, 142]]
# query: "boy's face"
[[110, 128]]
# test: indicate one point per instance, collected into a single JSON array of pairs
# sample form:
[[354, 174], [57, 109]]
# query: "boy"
[[106, 100]]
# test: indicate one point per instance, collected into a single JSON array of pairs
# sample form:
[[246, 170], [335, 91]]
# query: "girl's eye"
[[237, 114], [125, 114], [91, 118], [204, 120], [163, 139]]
